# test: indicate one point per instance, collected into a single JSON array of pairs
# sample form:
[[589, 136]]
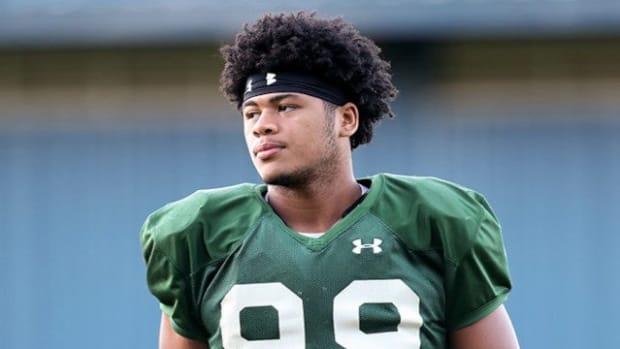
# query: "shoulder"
[[200, 219], [201, 204], [433, 195], [437, 217], [431, 213]]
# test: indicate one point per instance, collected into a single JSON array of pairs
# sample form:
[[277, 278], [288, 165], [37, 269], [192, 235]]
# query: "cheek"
[[247, 136]]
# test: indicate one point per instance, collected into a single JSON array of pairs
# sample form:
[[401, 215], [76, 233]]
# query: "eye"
[[251, 114], [286, 107]]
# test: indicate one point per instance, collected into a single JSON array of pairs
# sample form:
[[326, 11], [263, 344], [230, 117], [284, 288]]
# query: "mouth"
[[267, 150]]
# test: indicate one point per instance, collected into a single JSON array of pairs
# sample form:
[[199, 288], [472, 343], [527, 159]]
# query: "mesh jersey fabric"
[[417, 258]]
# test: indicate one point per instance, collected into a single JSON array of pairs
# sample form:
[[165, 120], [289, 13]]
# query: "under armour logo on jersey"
[[359, 246], [271, 78]]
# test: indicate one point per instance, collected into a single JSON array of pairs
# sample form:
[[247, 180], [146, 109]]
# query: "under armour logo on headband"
[[271, 78], [263, 83], [248, 85]]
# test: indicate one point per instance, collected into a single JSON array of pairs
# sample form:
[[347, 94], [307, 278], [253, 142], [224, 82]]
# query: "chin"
[[294, 179], [275, 178]]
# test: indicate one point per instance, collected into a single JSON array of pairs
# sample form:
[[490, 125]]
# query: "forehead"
[[276, 97]]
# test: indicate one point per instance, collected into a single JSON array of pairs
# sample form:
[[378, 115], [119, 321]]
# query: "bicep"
[[494, 331], [169, 339]]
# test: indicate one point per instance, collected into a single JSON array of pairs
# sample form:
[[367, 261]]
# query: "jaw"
[[273, 174], [317, 173], [292, 180]]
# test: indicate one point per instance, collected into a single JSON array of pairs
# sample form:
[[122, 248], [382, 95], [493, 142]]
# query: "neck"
[[315, 207]]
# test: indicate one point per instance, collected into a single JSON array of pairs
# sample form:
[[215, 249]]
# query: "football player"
[[315, 257]]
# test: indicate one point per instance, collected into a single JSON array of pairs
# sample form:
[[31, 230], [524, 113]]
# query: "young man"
[[315, 258]]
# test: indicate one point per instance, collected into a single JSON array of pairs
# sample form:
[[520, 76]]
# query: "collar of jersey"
[[375, 185]]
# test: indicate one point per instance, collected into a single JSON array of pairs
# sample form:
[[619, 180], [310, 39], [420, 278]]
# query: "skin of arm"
[[495, 331], [169, 339]]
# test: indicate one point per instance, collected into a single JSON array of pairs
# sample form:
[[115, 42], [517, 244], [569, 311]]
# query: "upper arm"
[[169, 339], [494, 331], [168, 244]]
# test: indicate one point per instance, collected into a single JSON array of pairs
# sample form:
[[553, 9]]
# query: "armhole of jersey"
[[481, 312], [182, 332]]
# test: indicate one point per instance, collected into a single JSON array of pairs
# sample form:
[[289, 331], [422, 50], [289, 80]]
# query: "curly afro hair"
[[330, 49]]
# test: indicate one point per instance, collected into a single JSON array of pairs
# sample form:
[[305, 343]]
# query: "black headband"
[[259, 84]]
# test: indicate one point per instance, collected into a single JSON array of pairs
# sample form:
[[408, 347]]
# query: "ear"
[[348, 119]]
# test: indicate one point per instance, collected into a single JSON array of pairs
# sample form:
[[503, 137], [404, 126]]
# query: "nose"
[[266, 123]]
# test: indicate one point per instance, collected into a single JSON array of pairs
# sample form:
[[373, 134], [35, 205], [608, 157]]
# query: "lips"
[[266, 150]]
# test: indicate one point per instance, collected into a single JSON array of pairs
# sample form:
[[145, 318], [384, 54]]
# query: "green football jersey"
[[417, 258]]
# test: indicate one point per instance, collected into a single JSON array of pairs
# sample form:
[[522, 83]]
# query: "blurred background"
[[110, 109]]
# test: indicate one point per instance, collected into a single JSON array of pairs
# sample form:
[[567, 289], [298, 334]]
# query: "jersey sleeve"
[[478, 281], [170, 246]]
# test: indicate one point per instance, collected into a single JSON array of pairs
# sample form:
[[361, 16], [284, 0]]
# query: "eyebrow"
[[273, 100]]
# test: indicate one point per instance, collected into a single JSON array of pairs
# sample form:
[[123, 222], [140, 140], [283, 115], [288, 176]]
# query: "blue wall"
[[72, 202]]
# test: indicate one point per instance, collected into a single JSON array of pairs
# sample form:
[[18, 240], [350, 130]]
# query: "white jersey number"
[[346, 315], [290, 313]]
